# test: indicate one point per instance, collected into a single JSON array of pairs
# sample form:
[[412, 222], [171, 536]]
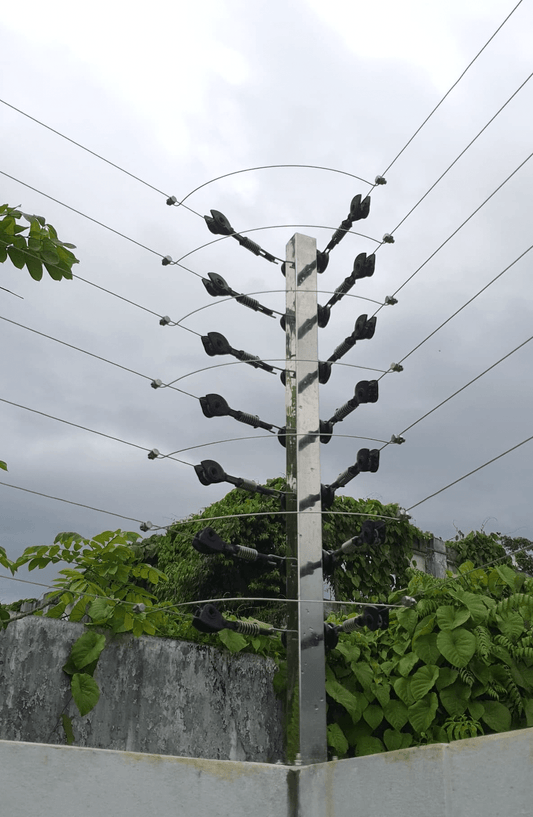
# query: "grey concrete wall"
[[482, 777], [157, 695]]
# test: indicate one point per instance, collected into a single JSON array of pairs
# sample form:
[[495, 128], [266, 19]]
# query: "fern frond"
[[483, 642]]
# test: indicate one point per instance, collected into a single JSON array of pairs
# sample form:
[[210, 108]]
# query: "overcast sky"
[[183, 93]]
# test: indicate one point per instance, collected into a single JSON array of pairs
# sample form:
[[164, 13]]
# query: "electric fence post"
[[307, 636], [306, 693]]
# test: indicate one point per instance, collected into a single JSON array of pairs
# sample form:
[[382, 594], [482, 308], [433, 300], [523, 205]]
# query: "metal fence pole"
[[306, 699]]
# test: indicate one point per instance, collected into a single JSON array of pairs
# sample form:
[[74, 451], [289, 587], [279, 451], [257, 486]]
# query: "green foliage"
[[39, 247], [463, 669], [193, 576], [3, 465]]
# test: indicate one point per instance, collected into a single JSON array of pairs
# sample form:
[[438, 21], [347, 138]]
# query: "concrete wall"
[[434, 557], [483, 777], [157, 695]]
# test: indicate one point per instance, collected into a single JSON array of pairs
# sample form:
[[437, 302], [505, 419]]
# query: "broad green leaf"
[[85, 692], [449, 617], [50, 256], [511, 625], [3, 253], [369, 746], [394, 740], [381, 691], [100, 609], [337, 739], [424, 626], [407, 619], [78, 611], [422, 713], [344, 697], [235, 642], [422, 681], [407, 663], [363, 672], [475, 605], [496, 716], [528, 711], [396, 714], [350, 651], [506, 574], [457, 646], [373, 715], [447, 676], [476, 710], [87, 648], [17, 257], [3, 465], [67, 726], [426, 648], [455, 698], [403, 691]]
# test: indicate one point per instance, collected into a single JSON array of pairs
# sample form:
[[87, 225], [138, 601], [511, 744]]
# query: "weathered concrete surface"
[[483, 777], [157, 695], [60, 781]]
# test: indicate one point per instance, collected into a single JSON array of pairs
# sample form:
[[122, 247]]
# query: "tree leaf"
[[235, 642], [344, 697], [3, 465], [85, 692], [423, 680], [426, 648], [369, 746], [363, 672], [403, 691], [477, 709], [373, 715], [512, 625], [457, 646], [396, 714], [396, 740], [496, 716], [455, 698], [422, 713], [87, 648], [450, 617], [67, 726], [407, 619], [447, 676], [35, 268], [407, 663], [17, 257], [381, 691], [337, 739]]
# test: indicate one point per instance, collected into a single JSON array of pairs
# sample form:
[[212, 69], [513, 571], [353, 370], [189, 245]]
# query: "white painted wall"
[[488, 776]]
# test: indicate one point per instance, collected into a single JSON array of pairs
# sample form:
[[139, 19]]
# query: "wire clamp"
[[388, 239], [167, 260]]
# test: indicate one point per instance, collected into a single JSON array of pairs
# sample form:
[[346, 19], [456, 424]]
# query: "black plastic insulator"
[[218, 224], [343, 412], [326, 430], [251, 303], [209, 620], [217, 285], [339, 234], [324, 371], [214, 405], [331, 636], [368, 460], [367, 391], [250, 420], [347, 344], [248, 243], [323, 314], [322, 261], [210, 472], [364, 266], [282, 322], [207, 541], [253, 360], [329, 562], [327, 496], [359, 208], [216, 344]]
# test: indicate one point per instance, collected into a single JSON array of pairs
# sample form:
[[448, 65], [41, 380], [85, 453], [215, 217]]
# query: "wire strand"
[[484, 128], [91, 430], [436, 493], [91, 354], [83, 215], [269, 167], [470, 64], [69, 502], [467, 303], [433, 254], [468, 384]]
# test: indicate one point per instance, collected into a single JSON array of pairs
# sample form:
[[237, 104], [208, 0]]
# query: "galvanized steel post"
[[306, 727]]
